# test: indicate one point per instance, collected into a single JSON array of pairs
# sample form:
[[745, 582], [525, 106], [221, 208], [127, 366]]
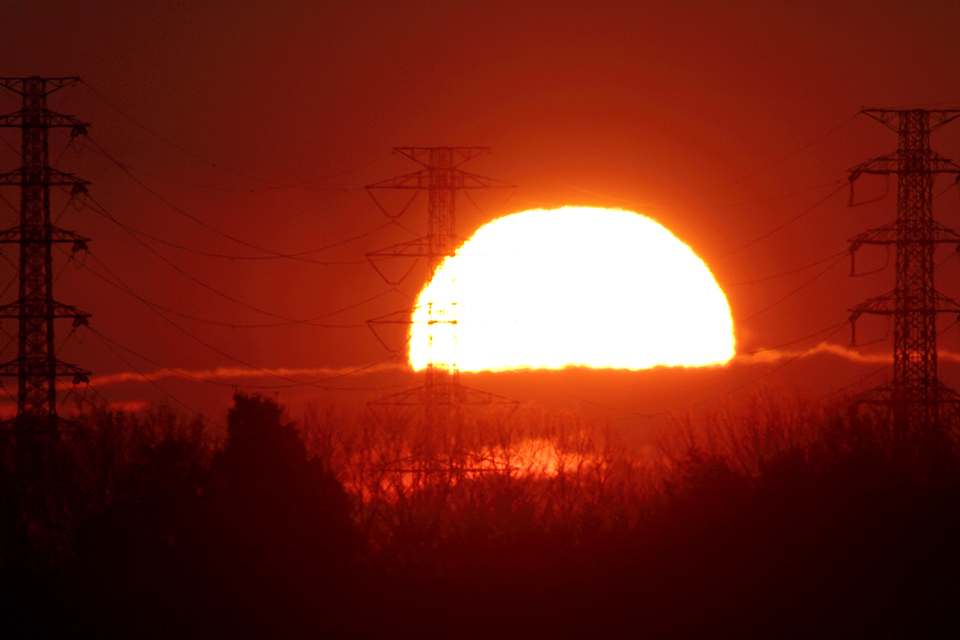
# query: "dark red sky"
[[722, 120]]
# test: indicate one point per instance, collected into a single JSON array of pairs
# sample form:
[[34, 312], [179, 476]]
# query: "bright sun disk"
[[572, 286]]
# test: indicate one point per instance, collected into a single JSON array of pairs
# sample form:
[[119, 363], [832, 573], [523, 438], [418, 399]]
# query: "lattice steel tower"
[[36, 366], [915, 394], [442, 177]]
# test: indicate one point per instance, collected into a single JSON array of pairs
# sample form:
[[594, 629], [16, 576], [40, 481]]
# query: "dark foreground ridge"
[[767, 525]]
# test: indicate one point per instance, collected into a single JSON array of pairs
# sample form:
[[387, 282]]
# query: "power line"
[[782, 226], [853, 384], [746, 203], [211, 288], [788, 273], [119, 284], [266, 372], [793, 342], [296, 185], [109, 345], [195, 219], [791, 293], [755, 380], [274, 184], [155, 309], [883, 368], [663, 415], [787, 156], [99, 209]]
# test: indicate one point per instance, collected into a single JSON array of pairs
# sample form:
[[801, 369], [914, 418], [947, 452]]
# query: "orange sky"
[[720, 120]]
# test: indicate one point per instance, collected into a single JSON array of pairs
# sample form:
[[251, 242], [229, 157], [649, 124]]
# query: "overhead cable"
[[211, 288], [791, 272], [783, 158], [109, 344], [274, 183], [99, 209], [265, 372], [791, 293], [197, 220], [119, 284], [782, 226]]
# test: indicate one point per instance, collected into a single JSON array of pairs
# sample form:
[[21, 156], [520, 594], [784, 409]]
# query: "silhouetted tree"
[[137, 554], [280, 532]]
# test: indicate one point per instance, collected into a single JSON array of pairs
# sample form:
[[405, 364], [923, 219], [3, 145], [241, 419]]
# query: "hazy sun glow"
[[571, 286]]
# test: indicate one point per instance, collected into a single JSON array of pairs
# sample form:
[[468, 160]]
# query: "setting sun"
[[575, 286]]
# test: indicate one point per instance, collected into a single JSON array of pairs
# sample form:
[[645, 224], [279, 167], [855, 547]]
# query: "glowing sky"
[[245, 126]]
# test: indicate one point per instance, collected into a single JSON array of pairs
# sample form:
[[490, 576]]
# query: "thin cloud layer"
[[852, 355], [225, 374]]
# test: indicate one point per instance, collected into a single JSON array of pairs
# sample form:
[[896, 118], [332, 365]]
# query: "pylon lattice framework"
[[915, 394], [441, 177], [36, 366]]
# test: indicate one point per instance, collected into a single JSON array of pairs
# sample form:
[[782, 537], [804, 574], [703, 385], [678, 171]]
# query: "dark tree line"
[[173, 540], [765, 524]]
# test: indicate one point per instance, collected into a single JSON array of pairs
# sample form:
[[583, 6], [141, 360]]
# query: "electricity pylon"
[[36, 366], [915, 394], [442, 177]]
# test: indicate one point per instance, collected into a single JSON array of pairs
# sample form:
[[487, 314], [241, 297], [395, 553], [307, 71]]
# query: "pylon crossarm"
[[445, 393], [393, 216], [409, 398], [891, 163], [886, 117], [57, 235], [885, 305], [397, 317], [50, 84], [881, 305], [21, 308], [473, 396], [940, 164], [418, 248], [51, 177], [467, 180], [877, 396], [943, 234], [417, 180], [62, 370], [944, 116], [66, 370], [888, 234], [946, 304], [891, 117], [888, 395], [464, 154], [948, 395], [390, 253], [421, 180], [11, 369], [404, 317], [50, 119], [881, 236], [882, 165]]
